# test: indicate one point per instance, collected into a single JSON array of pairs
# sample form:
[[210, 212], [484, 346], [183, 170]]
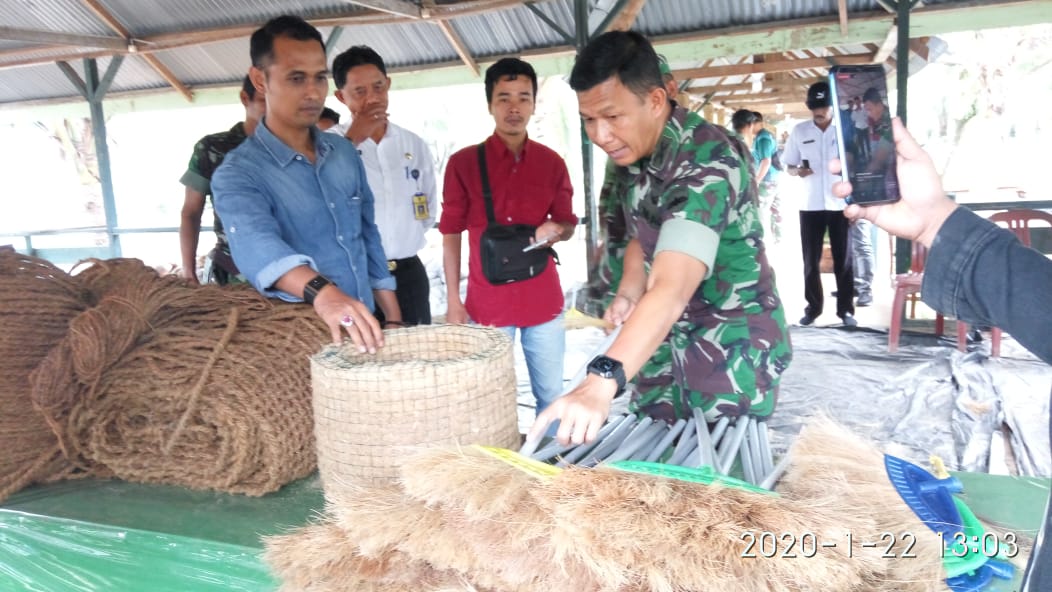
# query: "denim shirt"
[[282, 212], [982, 274]]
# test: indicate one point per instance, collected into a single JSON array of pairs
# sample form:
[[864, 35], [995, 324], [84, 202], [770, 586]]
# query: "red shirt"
[[529, 190]]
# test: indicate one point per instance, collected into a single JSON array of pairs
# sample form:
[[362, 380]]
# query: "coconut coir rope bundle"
[[37, 303], [164, 382]]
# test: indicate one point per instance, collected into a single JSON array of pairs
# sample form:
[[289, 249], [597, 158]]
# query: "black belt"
[[394, 264]]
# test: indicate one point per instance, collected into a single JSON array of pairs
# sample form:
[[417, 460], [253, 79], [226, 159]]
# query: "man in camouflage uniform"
[[613, 235], [207, 156], [703, 325]]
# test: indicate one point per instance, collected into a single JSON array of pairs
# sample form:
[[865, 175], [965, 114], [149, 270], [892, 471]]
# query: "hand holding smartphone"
[[864, 140]]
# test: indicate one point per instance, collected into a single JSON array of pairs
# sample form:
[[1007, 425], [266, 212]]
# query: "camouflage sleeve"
[[613, 232], [696, 208], [196, 177]]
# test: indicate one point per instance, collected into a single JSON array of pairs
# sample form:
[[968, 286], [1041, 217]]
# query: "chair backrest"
[[1021, 221], [919, 257]]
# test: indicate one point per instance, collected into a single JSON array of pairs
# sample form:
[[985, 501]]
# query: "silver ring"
[[346, 321]]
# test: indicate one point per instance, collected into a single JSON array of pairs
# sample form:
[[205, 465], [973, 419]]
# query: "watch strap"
[[312, 287], [616, 371]]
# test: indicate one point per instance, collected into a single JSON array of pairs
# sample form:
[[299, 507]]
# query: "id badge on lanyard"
[[421, 211]]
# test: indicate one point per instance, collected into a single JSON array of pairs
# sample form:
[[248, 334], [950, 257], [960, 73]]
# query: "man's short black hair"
[[625, 54], [742, 118], [261, 45], [510, 68], [248, 88], [757, 116], [359, 55], [872, 95], [329, 114]]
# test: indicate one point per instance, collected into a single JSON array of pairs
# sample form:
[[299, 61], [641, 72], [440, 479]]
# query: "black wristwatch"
[[314, 286], [607, 367]]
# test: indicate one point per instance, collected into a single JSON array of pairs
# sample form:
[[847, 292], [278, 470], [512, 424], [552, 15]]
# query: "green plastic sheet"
[[88, 536], [93, 536]]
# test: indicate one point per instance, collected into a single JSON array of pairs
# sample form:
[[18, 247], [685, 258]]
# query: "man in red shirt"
[[530, 185]]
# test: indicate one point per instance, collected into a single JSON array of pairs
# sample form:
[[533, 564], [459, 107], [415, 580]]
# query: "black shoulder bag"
[[503, 261]]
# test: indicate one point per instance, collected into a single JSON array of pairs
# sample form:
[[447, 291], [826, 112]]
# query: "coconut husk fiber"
[[583, 529], [482, 551], [478, 521], [830, 463], [499, 522], [160, 381], [322, 558], [37, 303], [638, 531]]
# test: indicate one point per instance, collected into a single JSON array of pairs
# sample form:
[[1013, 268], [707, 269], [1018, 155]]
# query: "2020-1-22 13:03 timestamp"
[[890, 545]]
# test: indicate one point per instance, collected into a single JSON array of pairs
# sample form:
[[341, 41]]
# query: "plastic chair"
[[908, 287], [1019, 222]]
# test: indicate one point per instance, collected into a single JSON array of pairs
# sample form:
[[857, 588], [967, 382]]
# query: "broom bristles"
[[666, 535], [834, 467]]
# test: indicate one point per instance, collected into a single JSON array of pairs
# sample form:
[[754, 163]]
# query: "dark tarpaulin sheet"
[[926, 399]]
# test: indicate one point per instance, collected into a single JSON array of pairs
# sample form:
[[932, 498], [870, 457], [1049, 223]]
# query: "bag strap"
[[487, 195]]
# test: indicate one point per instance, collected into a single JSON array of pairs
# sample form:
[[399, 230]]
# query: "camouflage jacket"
[[695, 194], [209, 153]]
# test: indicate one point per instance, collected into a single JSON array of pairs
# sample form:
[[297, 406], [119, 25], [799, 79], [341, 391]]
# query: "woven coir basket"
[[432, 385]]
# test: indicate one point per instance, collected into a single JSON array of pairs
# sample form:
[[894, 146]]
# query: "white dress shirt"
[[808, 142], [389, 168]]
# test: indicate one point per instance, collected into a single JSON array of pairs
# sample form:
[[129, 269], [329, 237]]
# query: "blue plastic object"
[[978, 580], [930, 498]]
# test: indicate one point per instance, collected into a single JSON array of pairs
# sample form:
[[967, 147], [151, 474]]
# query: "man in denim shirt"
[[299, 212], [976, 271]]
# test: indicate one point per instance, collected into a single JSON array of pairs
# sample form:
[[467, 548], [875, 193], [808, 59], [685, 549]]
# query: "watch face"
[[604, 365]]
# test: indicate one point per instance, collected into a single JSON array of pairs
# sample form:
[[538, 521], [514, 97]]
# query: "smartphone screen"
[[863, 122]]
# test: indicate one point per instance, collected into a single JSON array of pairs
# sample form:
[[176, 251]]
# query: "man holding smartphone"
[[810, 148]]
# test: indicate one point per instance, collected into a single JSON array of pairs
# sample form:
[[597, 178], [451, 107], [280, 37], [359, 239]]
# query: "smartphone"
[[863, 123]]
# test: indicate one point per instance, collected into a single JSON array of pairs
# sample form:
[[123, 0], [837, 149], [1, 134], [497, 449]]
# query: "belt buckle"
[[392, 265]]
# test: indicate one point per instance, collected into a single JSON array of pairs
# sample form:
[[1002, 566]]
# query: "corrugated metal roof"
[[208, 64], [510, 31], [41, 82], [151, 17], [60, 16], [504, 30], [413, 44]]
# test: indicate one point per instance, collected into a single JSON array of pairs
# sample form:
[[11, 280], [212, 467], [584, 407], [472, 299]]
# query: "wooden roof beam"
[[774, 66], [459, 46], [768, 85], [626, 18], [395, 7], [771, 97], [887, 46], [118, 28], [38, 38]]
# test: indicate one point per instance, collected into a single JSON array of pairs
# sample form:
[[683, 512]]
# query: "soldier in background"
[[208, 154]]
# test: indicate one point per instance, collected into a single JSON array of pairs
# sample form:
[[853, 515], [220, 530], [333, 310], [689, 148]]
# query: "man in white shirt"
[[399, 170], [811, 145]]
